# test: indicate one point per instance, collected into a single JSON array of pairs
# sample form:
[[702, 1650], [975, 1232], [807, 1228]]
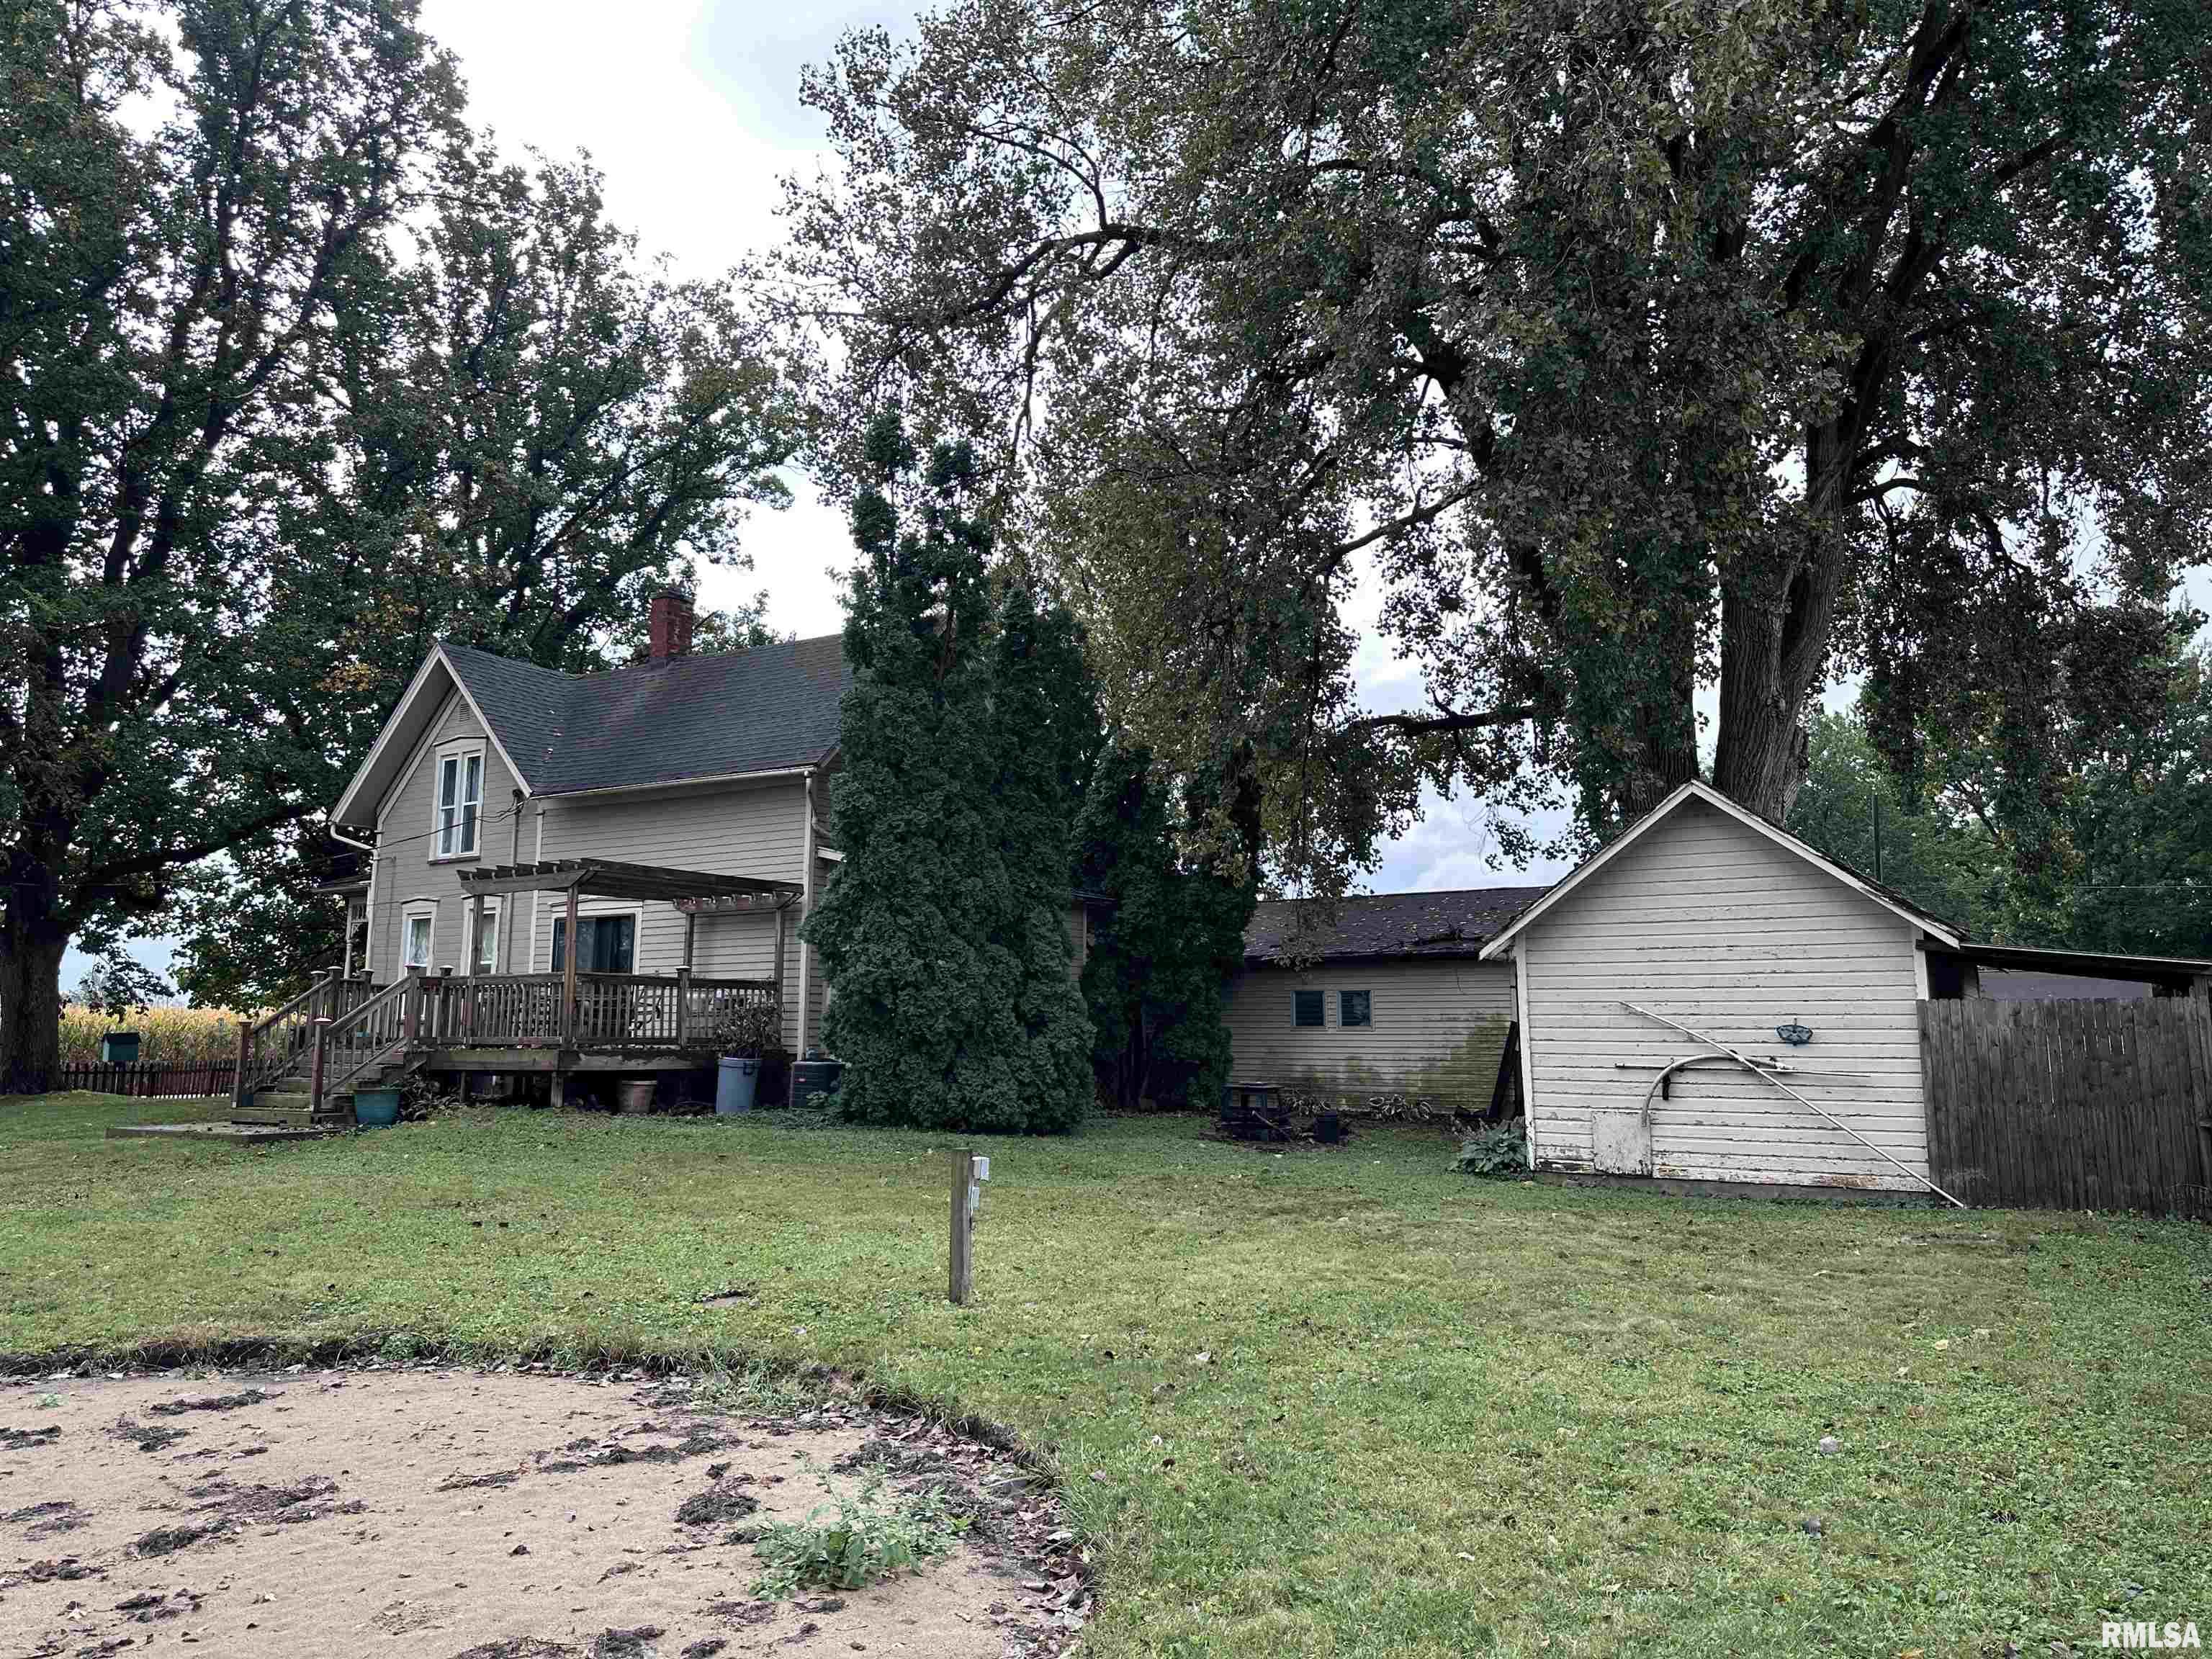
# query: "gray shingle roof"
[[767, 709], [1448, 924]]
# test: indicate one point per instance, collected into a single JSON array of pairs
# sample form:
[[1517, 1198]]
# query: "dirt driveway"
[[456, 1514]]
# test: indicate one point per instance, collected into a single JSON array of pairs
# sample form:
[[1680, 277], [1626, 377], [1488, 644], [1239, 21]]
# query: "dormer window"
[[460, 803]]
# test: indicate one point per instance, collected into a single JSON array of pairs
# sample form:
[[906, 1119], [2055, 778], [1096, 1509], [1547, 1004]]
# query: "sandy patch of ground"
[[446, 1514]]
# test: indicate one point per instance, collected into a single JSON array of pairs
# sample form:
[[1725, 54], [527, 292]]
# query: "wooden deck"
[[348, 1034], [624, 1013]]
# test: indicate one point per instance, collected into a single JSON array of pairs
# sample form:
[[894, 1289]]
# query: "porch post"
[[475, 942], [684, 973], [318, 1063], [569, 975], [245, 1062], [776, 973]]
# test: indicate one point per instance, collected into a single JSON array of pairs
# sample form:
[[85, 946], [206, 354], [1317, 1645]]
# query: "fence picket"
[[2076, 1105], [145, 1080]]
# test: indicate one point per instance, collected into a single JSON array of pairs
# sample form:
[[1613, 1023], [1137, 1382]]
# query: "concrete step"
[[335, 1115]]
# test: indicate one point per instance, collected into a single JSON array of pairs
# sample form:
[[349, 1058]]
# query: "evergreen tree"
[[1175, 933], [943, 927], [1046, 727]]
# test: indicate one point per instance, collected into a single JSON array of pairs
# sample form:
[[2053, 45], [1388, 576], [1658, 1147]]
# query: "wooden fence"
[[2086, 1105], [142, 1081]]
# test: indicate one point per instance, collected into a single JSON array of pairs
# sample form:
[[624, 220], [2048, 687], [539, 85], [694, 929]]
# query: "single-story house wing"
[[1378, 999]]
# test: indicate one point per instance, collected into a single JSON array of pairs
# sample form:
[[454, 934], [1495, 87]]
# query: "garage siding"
[[1438, 1028], [1709, 922]]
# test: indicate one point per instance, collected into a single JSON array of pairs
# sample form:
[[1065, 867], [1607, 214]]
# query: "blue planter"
[[376, 1109], [736, 1080]]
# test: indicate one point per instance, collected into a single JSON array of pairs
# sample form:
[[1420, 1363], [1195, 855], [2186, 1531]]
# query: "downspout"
[[368, 910], [537, 856], [507, 904], [806, 906]]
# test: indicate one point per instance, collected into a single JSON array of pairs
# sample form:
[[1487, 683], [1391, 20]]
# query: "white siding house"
[[1435, 1029], [1713, 918], [1378, 999], [719, 766]]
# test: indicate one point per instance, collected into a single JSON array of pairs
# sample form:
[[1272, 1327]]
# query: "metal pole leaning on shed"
[[1757, 1070]]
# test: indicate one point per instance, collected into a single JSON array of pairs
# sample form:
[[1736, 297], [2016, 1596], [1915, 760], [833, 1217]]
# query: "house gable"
[[1704, 795], [425, 703], [770, 711]]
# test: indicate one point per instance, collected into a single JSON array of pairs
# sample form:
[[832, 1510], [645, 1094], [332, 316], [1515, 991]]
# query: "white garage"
[[1706, 915]]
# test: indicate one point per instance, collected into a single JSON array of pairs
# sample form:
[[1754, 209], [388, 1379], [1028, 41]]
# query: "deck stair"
[[288, 1103], [369, 1045]]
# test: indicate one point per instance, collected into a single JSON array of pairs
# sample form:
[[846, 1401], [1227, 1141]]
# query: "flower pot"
[[375, 1109], [636, 1095]]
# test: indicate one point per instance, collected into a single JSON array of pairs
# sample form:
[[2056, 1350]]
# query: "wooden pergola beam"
[[741, 905], [606, 878]]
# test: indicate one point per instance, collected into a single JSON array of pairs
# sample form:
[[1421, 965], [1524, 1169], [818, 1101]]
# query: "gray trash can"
[[736, 1078]]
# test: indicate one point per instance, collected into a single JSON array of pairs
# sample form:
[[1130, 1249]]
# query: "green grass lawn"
[[1438, 1416]]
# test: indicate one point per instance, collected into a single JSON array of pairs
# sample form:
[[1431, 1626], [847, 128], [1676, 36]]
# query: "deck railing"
[[374, 1031], [274, 1045], [612, 1011]]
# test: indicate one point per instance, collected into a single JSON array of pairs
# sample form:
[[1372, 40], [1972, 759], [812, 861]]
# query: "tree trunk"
[[30, 1004], [1776, 618], [1666, 728], [1762, 738]]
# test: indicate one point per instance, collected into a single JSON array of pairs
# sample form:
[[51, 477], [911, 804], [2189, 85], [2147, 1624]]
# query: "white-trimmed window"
[[418, 928], [460, 803], [487, 957]]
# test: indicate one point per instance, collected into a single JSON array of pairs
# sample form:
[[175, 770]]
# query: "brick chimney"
[[669, 624]]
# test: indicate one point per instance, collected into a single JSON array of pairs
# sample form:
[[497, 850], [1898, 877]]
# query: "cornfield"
[[167, 1036]]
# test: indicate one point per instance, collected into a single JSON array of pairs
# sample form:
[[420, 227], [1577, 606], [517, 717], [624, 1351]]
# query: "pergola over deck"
[[688, 891], [691, 891]]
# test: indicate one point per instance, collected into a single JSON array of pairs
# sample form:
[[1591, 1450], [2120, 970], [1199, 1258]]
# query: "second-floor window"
[[461, 803]]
